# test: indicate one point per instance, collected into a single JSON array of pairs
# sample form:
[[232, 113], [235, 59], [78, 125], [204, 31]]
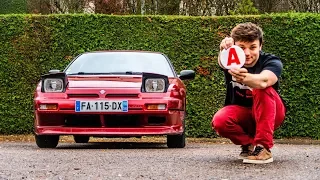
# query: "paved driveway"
[[144, 160]]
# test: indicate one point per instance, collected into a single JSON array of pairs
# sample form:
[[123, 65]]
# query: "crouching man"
[[253, 108]]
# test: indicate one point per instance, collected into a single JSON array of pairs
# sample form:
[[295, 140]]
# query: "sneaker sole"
[[250, 161]]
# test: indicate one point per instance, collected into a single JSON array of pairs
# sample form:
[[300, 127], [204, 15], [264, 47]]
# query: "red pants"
[[243, 125]]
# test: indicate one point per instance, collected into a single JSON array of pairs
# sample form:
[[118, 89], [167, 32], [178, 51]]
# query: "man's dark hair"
[[247, 32]]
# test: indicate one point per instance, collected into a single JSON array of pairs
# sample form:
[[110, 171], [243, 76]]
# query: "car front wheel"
[[176, 141], [47, 141], [81, 139]]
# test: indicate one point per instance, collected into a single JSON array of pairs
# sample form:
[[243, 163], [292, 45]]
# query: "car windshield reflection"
[[120, 63]]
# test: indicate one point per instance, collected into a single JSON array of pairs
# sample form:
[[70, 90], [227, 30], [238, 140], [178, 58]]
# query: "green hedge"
[[32, 45], [13, 6]]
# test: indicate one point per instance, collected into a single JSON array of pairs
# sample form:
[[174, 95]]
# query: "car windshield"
[[97, 63]]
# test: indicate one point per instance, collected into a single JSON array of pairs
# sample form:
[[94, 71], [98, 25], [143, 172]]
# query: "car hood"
[[104, 84]]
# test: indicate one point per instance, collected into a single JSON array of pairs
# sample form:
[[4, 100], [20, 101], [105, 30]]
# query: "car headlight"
[[154, 85], [54, 82], [53, 85]]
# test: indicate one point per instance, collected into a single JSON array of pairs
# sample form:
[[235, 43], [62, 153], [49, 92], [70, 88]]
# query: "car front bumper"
[[138, 121]]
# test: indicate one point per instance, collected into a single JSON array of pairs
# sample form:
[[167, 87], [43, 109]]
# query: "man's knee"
[[261, 92], [218, 122]]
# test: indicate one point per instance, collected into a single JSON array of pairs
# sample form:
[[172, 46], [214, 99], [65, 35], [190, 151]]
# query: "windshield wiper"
[[78, 73], [87, 73], [133, 73]]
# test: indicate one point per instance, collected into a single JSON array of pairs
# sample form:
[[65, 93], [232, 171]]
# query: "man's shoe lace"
[[257, 150]]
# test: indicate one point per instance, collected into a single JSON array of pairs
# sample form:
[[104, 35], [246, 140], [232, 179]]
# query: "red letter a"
[[233, 57]]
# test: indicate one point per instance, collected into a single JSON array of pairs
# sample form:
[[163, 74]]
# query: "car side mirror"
[[187, 74], [54, 71]]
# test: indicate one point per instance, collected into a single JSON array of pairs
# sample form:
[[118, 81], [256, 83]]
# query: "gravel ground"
[[151, 159]]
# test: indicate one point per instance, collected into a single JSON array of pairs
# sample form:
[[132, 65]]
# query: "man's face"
[[251, 50]]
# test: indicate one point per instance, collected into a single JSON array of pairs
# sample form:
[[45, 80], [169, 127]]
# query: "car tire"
[[81, 139], [176, 141], [47, 141]]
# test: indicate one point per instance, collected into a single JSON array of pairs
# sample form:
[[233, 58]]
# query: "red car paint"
[[116, 88], [137, 121]]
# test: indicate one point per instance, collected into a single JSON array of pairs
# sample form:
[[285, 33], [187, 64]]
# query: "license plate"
[[101, 106]]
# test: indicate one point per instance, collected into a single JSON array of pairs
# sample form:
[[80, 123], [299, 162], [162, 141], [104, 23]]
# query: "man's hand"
[[258, 81], [239, 74], [226, 43]]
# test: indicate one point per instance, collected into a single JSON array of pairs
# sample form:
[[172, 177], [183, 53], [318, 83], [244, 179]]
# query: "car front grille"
[[123, 120], [83, 95], [82, 121], [97, 121], [122, 95]]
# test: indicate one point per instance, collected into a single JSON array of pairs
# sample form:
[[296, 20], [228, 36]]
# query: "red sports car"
[[112, 94]]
